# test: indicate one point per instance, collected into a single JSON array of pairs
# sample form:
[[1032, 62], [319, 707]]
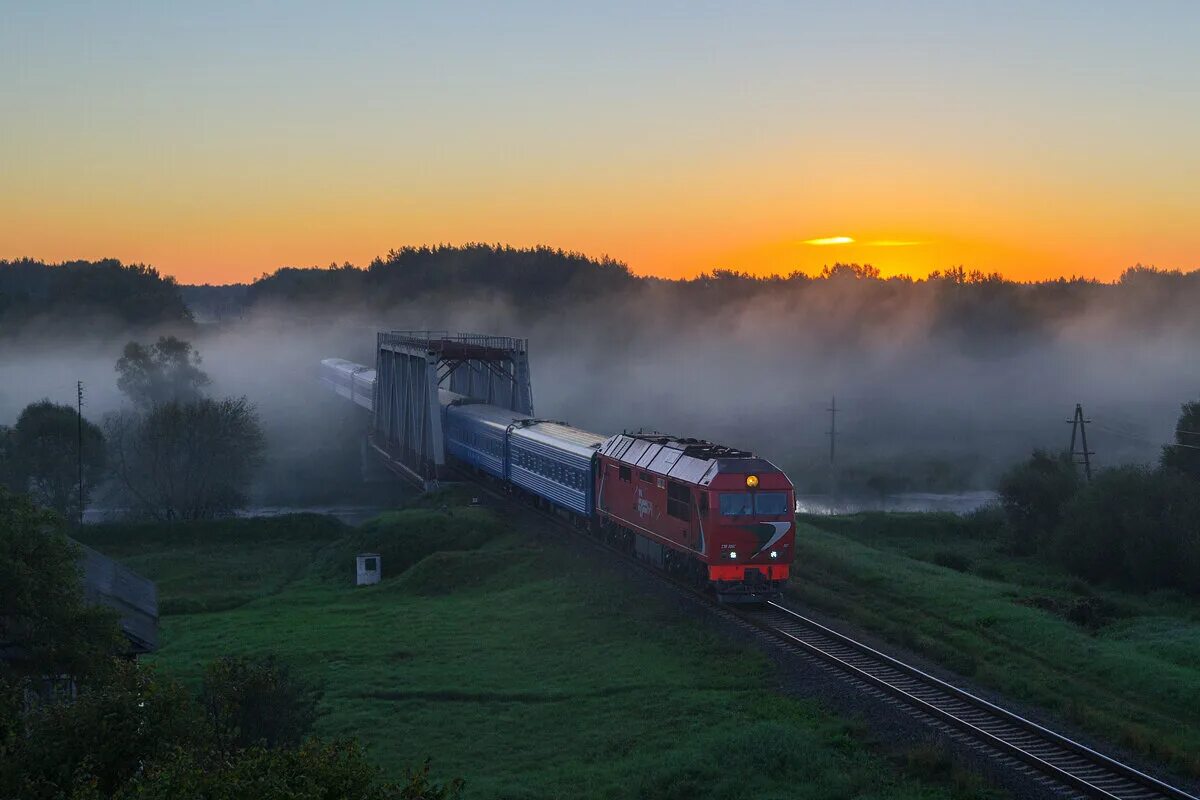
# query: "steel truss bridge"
[[414, 371]]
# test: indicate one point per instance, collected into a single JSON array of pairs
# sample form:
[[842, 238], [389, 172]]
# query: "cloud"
[[834, 240]]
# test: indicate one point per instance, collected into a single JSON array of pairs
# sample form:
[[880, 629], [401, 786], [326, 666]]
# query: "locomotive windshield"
[[736, 504], [771, 503], [745, 504]]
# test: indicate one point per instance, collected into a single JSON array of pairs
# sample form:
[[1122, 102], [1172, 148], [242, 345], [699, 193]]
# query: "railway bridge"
[[415, 374]]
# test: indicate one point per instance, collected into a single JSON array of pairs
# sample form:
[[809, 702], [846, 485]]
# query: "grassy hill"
[[1122, 666], [514, 661]]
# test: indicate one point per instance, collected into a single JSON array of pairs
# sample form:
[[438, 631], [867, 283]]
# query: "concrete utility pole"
[[79, 448], [833, 434], [1079, 429]]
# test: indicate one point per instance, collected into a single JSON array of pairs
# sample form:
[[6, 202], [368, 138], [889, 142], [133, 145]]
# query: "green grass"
[[214, 566], [515, 662], [1125, 667]]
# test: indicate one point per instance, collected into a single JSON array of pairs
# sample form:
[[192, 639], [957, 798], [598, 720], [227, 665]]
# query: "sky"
[[218, 141]]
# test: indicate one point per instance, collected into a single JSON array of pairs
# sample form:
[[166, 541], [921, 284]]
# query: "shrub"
[[256, 703], [97, 740], [316, 769], [1184, 455], [1033, 495], [1134, 526]]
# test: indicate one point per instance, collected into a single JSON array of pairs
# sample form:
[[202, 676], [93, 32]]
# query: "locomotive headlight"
[[774, 554], [752, 481], [733, 555]]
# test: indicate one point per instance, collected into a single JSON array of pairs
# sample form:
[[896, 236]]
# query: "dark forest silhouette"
[[978, 309]]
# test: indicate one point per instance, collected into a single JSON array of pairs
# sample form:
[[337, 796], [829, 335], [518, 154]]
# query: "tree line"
[[984, 310], [87, 293]]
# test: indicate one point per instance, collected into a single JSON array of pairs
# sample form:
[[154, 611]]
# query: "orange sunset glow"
[[220, 150]]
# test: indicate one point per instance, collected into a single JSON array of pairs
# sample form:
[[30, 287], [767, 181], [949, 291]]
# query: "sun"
[[830, 240]]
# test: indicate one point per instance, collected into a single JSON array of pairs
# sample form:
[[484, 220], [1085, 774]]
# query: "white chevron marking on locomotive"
[[781, 529]]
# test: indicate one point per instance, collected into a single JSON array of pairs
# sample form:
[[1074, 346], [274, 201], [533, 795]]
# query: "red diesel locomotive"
[[721, 516]]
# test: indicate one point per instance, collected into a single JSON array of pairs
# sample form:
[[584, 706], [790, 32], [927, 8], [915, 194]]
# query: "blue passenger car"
[[476, 434], [554, 461]]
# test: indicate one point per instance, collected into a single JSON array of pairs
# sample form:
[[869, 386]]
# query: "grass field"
[[515, 662], [1125, 667]]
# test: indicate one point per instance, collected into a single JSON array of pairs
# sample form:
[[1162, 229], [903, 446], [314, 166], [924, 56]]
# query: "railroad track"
[[1074, 766]]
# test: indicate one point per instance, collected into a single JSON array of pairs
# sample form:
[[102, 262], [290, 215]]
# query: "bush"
[[1134, 526], [1033, 494], [44, 621], [256, 703], [314, 771], [987, 522], [1184, 455], [97, 740], [952, 560]]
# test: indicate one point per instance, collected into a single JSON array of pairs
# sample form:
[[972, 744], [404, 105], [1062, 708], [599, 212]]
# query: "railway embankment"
[[1117, 666]]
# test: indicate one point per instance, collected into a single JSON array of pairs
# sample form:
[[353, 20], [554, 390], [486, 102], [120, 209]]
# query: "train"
[[719, 517]]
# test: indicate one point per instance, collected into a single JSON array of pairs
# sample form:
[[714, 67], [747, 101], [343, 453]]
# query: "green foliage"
[[82, 292], [1123, 666], [133, 733], [167, 371], [9, 474], [96, 741], [1136, 527], [315, 771], [256, 702], [1184, 455], [41, 456], [45, 625], [1033, 494], [190, 460]]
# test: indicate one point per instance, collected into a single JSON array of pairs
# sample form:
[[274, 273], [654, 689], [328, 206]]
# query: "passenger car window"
[[626, 474]]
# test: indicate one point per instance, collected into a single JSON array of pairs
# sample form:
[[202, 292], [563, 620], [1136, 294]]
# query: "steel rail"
[[1024, 723]]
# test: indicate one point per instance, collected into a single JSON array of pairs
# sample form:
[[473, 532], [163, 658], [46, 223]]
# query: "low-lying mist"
[[922, 402]]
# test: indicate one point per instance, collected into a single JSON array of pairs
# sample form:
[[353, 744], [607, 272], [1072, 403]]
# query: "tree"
[[44, 456], [166, 371], [256, 702], [189, 460], [1033, 494], [91, 744], [8, 460], [46, 628], [1184, 455]]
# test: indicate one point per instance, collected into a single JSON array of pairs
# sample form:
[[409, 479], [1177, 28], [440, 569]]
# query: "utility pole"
[[79, 448], [833, 434], [1079, 430]]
